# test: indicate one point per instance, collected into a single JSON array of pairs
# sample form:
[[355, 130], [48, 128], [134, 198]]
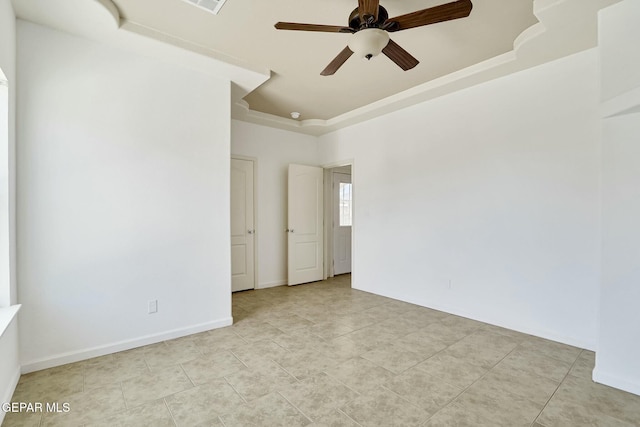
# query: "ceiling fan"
[[370, 24]]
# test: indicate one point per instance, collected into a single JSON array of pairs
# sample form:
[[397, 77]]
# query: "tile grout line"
[[84, 378], [184, 371], [455, 399], [556, 390], [336, 379], [166, 405], [289, 373], [346, 415], [124, 399], [238, 359], [295, 407], [409, 402], [246, 402]]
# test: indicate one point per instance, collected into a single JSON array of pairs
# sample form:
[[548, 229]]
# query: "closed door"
[[305, 224], [342, 191], [242, 226]]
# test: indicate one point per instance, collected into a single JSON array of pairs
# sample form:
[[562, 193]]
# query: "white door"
[[242, 226], [305, 224], [341, 223]]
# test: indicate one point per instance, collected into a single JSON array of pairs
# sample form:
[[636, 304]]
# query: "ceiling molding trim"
[[627, 103], [565, 27], [541, 5], [240, 111], [79, 17], [560, 32], [112, 9], [529, 34], [435, 88], [164, 37], [243, 76], [100, 21], [151, 43]]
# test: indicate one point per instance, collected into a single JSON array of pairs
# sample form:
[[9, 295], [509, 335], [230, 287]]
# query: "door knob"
[[251, 231]]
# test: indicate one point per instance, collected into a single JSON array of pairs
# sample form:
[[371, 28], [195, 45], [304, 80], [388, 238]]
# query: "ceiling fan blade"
[[368, 8], [313, 27], [337, 62], [401, 57], [432, 15]]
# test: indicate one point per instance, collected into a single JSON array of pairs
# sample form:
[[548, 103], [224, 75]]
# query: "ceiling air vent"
[[212, 6]]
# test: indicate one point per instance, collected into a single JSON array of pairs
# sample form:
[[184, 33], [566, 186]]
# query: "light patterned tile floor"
[[324, 354]]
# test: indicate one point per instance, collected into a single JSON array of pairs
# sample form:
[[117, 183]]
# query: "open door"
[[242, 226], [305, 224]]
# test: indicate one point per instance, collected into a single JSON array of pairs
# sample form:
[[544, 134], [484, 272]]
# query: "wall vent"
[[212, 6]]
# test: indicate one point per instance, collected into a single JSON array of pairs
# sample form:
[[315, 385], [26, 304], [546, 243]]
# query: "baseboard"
[[271, 284], [8, 393], [550, 335], [75, 356], [615, 382]]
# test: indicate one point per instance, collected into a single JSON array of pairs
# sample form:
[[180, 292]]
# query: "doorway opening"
[[339, 224], [320, 222]]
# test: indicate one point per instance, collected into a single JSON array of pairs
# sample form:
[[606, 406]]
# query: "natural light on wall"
[[212, 6], [345, 204], [4, 193]]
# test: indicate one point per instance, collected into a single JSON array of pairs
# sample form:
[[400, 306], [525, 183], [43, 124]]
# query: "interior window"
[[345, 204]]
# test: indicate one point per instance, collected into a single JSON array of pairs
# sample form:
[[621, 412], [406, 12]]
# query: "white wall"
[[274, 149], [9, 348], [5, 241], [123, 177], [7, 157], [618, 41], [619, 344], [10, 366], [494, 188]]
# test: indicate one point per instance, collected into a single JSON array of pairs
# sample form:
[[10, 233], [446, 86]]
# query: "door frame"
[[256, 234], [328, 215]]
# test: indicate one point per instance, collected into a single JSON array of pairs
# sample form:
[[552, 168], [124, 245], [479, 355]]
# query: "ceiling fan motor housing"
[[357, 24]]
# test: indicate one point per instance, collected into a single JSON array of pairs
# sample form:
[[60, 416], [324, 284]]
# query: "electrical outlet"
[[153, 306]]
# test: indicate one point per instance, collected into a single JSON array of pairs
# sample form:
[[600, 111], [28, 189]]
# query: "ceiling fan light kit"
[[371, 25], [369, 42]]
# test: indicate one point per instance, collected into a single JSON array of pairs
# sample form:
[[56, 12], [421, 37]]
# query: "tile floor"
[[327, 355]]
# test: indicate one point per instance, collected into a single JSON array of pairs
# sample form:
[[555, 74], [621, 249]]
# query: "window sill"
[[7, 315]]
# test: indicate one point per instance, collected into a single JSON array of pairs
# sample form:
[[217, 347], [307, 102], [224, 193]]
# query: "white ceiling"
[[499, 37], [245, 29]]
